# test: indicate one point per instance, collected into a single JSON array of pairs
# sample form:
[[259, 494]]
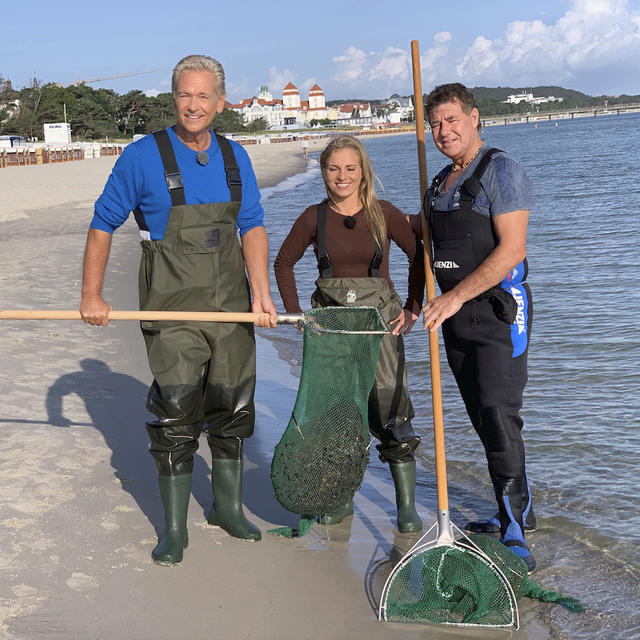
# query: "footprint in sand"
[[82, 582]]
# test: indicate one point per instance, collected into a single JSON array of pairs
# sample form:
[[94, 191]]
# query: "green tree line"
[[95, 114]]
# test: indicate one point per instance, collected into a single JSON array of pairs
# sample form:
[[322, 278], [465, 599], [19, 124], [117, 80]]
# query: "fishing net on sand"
[[471, 582], [320, 461]]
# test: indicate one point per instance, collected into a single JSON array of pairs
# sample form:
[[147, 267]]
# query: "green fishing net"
[[321, 458], [472, 582]]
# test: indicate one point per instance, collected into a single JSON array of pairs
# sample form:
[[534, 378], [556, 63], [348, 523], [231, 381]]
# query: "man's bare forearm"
[[93, 309], [255, 251], [96, 256]]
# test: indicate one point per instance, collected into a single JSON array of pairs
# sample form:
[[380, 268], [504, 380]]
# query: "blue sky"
[[351, 49]]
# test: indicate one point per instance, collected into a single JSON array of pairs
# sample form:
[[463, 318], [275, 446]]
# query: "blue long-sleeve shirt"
[[138, 181]]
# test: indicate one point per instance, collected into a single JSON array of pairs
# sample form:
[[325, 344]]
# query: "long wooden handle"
[[434, 353], [180, 316]]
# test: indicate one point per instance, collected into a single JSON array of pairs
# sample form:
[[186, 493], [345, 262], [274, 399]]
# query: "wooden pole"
[[434, 355], [178, 316]]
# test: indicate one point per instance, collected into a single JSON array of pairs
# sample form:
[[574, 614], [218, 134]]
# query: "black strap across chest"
[[324, 264], [471, 187], [174, 177]]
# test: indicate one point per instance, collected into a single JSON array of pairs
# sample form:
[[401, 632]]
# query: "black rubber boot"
[[175, 492], [337, 515], [513, 533], [404, 479], [491, 526], [226, 512], [511, 520]]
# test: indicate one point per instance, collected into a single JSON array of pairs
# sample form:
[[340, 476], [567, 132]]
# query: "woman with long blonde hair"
[[351, 233]]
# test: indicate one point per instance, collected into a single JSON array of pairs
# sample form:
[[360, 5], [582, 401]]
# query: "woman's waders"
[[390, 409]]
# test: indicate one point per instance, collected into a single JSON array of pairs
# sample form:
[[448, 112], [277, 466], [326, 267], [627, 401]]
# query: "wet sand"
[[79, 505]]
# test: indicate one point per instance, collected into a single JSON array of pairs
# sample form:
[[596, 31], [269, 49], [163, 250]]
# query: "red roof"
[[290, 88], [350, 106]]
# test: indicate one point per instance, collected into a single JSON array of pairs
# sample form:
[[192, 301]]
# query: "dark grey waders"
[[204, 373], [390, 408]]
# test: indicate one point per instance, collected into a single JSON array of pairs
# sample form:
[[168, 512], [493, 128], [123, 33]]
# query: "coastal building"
[[301, 112], [399, 109], [264, 106], [517, 98], [290, 111], [355, 114]]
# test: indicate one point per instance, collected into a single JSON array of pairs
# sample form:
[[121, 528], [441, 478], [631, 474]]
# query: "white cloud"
[[278, 80], [152, 93], [386, 72], [594, 41], [594, 47], [350, 65]]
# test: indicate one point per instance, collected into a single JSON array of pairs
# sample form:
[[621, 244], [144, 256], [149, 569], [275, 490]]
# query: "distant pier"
[[569, 114]]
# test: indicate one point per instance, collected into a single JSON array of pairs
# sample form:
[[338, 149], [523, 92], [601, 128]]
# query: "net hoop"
[[381, 328], [446, 539]]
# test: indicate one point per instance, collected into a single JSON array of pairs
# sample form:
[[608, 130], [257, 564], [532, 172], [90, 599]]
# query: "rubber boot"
[[512, 532], [404, 479], [337, 515], [175, 492], [226, 512], [491, 526]]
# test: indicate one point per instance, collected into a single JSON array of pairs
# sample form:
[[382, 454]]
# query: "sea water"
[[582, 403]]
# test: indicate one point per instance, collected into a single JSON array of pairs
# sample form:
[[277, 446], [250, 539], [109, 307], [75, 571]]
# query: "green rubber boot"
[[175, 492], [226, 512], [404, 479], [338, 515]]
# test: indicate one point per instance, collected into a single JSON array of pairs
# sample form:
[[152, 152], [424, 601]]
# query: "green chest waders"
[[204, 373], [390, 408]]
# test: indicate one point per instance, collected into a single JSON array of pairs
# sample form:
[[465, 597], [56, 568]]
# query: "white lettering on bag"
[[520, 322]]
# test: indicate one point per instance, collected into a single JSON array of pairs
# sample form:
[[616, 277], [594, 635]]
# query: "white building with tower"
[[289, 111]]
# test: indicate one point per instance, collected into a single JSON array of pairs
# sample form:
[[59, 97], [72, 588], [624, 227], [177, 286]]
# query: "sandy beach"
[[79, 505]]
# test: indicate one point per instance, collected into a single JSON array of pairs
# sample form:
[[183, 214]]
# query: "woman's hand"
[[403, 323]]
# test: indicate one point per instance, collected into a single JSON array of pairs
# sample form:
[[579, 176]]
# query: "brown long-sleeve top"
[[350, 251]]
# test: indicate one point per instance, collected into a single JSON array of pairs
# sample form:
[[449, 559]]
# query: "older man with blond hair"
[[191, 191]]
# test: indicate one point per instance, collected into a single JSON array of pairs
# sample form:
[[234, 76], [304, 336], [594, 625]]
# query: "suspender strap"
[[471, 186], [430, 196], [374, 267], [234, 182], [324, 264], [174, 177], [171, 171]]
